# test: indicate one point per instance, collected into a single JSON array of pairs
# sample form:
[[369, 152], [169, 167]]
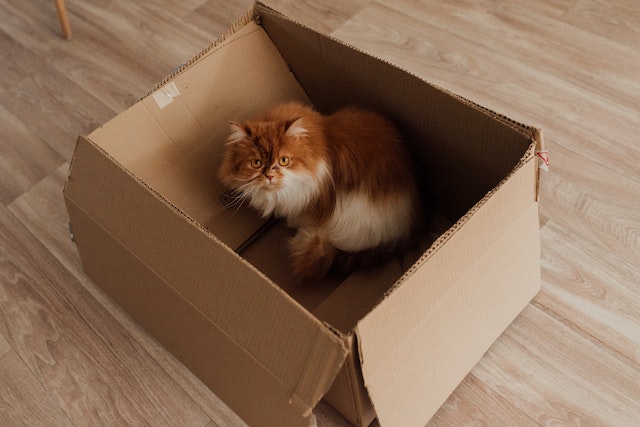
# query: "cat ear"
[[238, 133], [295, 128]]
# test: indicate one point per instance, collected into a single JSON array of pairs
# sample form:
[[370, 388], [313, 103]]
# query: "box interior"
[[179, 138]]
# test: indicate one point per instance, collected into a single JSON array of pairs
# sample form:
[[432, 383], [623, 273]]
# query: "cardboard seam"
[[73, 157], [177, 150], [540, 146], [181, 152], [320, 388], [353, 381], [349, 366], [362, 362], [352, 398], [194, 307]]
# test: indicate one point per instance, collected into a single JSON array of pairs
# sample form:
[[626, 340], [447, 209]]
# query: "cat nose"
[[270, 172]]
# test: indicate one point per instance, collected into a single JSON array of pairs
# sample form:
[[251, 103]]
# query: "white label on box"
[[164, 96]]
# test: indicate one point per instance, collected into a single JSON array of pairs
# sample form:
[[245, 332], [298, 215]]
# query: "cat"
[[345, 181]]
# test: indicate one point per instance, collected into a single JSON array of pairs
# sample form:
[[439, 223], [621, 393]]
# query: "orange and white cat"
[[345, 181]]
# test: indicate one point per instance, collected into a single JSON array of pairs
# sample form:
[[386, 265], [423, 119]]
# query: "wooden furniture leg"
[[64, 19]]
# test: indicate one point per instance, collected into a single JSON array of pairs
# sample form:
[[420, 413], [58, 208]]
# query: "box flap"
[[206, 350], [173, 139], [468, 149], [420, 342], [294, 348]]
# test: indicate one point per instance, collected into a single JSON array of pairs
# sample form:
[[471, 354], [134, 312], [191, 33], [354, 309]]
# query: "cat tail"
[[312, 255], [403, 250]]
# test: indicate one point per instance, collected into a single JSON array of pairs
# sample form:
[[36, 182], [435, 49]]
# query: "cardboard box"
[[145, 209]]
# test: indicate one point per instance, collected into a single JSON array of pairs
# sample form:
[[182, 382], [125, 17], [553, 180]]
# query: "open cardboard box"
[[212, 284]]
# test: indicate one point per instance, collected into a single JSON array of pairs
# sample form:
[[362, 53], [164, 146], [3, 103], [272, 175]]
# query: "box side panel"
[[212, 355], [463, 150], [457, 331], [225, 289], [450, 257], [173, 139], [453, 304]]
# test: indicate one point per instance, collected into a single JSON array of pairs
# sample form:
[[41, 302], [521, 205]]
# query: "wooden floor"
[[69, 356]]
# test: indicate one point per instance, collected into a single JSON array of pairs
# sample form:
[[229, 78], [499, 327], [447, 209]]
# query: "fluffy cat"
[[345, 181]]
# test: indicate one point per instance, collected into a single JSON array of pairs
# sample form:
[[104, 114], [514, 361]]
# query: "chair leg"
[[64, 20]]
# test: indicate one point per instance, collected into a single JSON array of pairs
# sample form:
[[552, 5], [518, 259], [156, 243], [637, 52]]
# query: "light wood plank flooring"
[[69, 356]]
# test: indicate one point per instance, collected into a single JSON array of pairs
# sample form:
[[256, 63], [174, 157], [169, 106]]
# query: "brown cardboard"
[[211, 282], [127, 242], [450, 324]]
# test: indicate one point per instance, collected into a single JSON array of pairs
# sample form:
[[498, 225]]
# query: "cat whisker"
[[238, 203], [235, 201]]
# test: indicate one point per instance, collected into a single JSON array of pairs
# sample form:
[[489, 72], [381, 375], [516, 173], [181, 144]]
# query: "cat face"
[[261, 155], [273, 165]]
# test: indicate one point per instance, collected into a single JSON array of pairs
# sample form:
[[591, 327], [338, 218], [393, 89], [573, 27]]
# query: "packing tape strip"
[[541, 151], [164, 96], [543, 156]]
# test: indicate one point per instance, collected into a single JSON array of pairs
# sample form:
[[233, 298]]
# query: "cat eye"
[[284, 161], [256, 163]]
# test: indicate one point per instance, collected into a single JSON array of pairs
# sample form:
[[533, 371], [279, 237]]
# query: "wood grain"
[[70, 356], [601, 289], [612, 20], [5, 347], [475, 403], [559, 377], [42, 210], [64, 337], [24, 400], [25, 158]]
